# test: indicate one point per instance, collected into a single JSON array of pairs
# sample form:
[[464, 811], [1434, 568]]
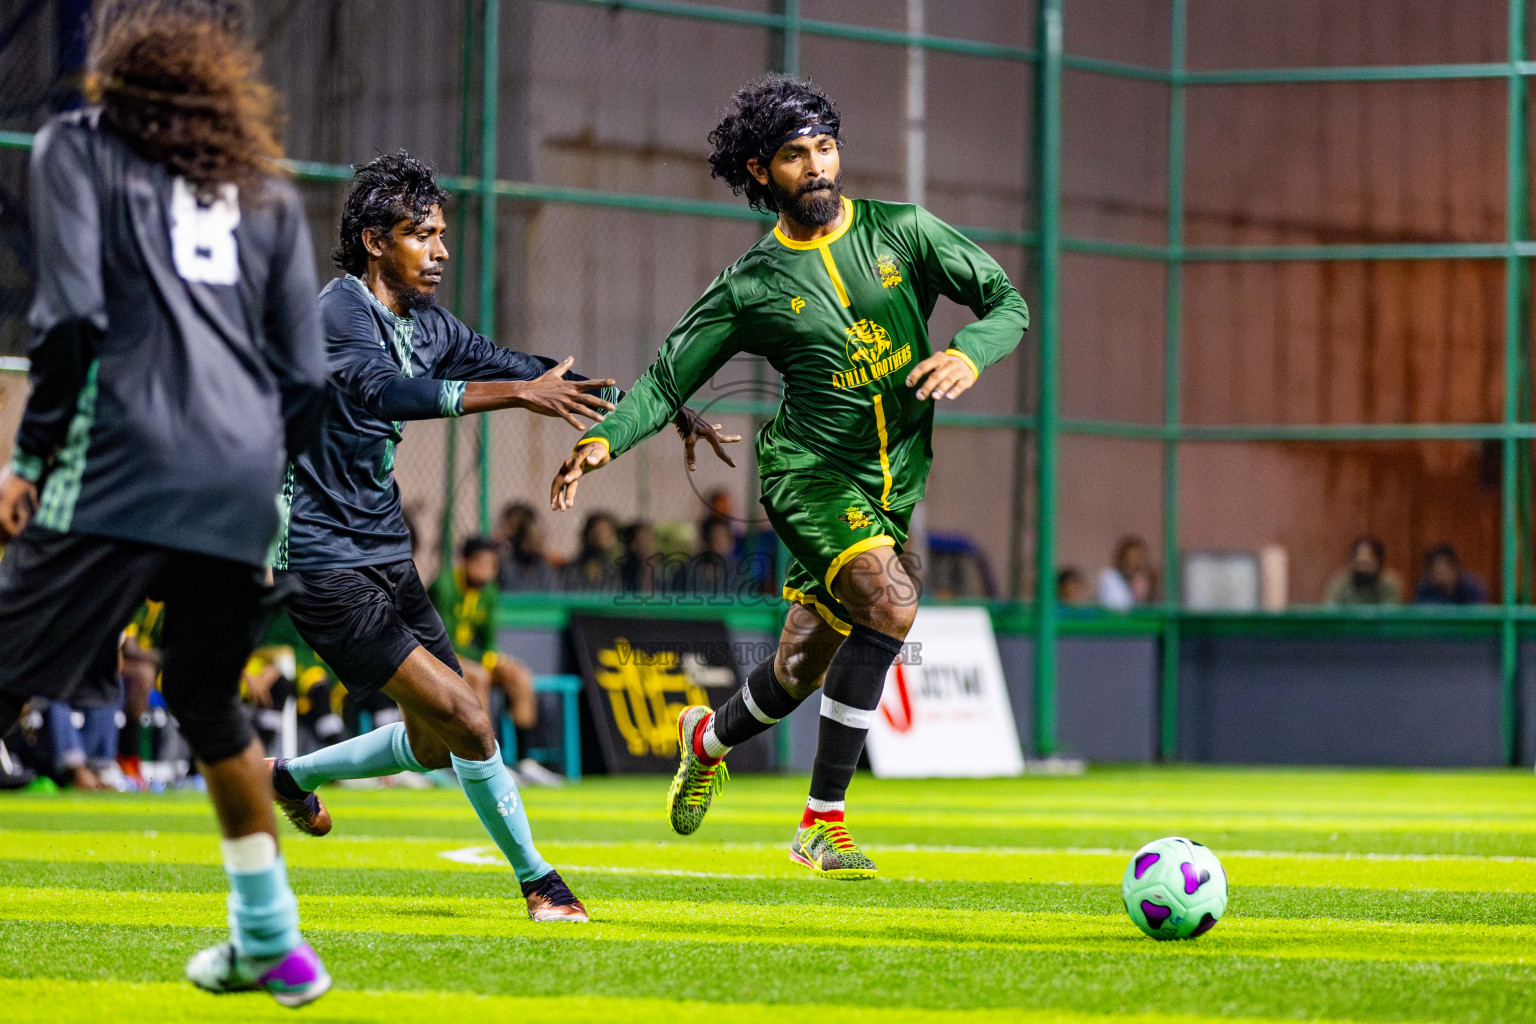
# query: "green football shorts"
[[825, 520]]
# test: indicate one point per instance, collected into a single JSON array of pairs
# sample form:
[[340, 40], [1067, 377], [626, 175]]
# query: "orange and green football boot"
[[830, 852], [696, 781]]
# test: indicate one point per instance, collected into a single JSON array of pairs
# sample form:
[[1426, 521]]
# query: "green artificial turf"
[[1372, 896]]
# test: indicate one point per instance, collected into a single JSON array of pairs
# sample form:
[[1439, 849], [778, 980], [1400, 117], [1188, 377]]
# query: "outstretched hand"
[[590, 456], [553, 395], [692, 427], [941, 375]]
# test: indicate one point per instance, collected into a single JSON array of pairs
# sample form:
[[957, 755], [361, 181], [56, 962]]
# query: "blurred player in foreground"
[[395, 355], [837, 299], [176, 356]]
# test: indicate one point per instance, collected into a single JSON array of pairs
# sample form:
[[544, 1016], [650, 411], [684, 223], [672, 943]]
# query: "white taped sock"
[[823, 806], [255, 852], [713, 748]]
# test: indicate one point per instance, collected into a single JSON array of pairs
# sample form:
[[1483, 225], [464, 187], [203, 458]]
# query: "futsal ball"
[[1174, 888]]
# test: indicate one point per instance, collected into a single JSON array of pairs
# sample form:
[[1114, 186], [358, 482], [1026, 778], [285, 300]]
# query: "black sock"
[[849, 698], [128, 737], [756, 707], [524, 740], [10, 711], [283, 783]]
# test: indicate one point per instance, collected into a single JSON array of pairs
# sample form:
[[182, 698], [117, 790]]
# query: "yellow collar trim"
[[824, 240]]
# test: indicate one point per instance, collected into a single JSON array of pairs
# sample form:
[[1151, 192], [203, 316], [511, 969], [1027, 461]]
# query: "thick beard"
[[816, 210], [413, 299]]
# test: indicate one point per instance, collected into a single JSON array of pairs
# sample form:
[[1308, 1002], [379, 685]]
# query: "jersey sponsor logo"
[[888, 271], [870, 356], [797, 304], [856, 518]]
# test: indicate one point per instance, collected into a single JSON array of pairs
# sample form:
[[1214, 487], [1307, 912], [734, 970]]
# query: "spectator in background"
[[1445, 582], [82, 733], [140, 670], [526, 567], [712, 571], [514, 516], [1130, 581], [1071, 587], [1366, 580], [641, 568], [594, 567], [465, 596]]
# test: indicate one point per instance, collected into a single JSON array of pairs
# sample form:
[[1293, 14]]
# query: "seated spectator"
[[514, 516], [285, 666], [642, 569], [465, 596], [1366, 580], [1445, 582], [712, 571], [1071, 587], [1131, 581], [82, 734], [594, 567], [526, 567], [139, 667]]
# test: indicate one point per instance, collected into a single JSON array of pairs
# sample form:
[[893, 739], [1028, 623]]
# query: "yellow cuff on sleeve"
[[964, 359], [593, 440]]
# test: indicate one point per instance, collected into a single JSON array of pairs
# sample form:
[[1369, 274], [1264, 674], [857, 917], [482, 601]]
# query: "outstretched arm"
[[371, 376], [961, 270], [702, 342]]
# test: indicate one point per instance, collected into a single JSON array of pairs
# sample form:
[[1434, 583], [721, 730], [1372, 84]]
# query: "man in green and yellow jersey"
[[837, 299]]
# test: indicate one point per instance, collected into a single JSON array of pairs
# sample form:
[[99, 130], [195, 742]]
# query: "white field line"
[[1087, 851], [489, 855]]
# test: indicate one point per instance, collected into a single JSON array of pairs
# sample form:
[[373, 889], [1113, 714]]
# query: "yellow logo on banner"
[[870, 357], [648, 691]]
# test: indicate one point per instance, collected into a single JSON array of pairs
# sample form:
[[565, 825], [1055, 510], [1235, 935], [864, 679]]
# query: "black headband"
[[802, 132]]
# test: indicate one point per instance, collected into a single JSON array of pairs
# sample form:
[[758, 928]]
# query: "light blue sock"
[[493, 795], [385, 751], [263, 915]]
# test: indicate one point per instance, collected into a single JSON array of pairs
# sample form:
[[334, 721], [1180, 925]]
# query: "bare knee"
[[879, 592]]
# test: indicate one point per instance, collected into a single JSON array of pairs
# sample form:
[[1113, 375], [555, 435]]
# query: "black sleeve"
[[69, 311], [471, 356]]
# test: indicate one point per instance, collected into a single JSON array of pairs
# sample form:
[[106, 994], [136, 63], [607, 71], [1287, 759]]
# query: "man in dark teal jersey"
[[394, 356], [837, 299]]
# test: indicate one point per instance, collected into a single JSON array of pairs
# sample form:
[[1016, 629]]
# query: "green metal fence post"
[[1517, 223], [490, 77], [451, 444], [1173, 311], [1048, 178]]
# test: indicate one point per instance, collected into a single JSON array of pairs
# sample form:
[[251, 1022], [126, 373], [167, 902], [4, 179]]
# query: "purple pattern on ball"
[[1193, 881], [1156, 916], [1206, 924], [1145, 861]]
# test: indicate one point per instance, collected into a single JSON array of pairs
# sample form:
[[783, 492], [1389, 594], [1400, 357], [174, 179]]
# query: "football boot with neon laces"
[[696, 781], [830, 852]]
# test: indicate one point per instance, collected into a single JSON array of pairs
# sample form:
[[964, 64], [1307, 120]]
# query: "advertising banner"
[[945, 710], [639, 674]]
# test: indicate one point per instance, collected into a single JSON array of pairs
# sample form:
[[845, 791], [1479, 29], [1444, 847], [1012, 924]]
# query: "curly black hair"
[[762, 112], [384, 191]]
